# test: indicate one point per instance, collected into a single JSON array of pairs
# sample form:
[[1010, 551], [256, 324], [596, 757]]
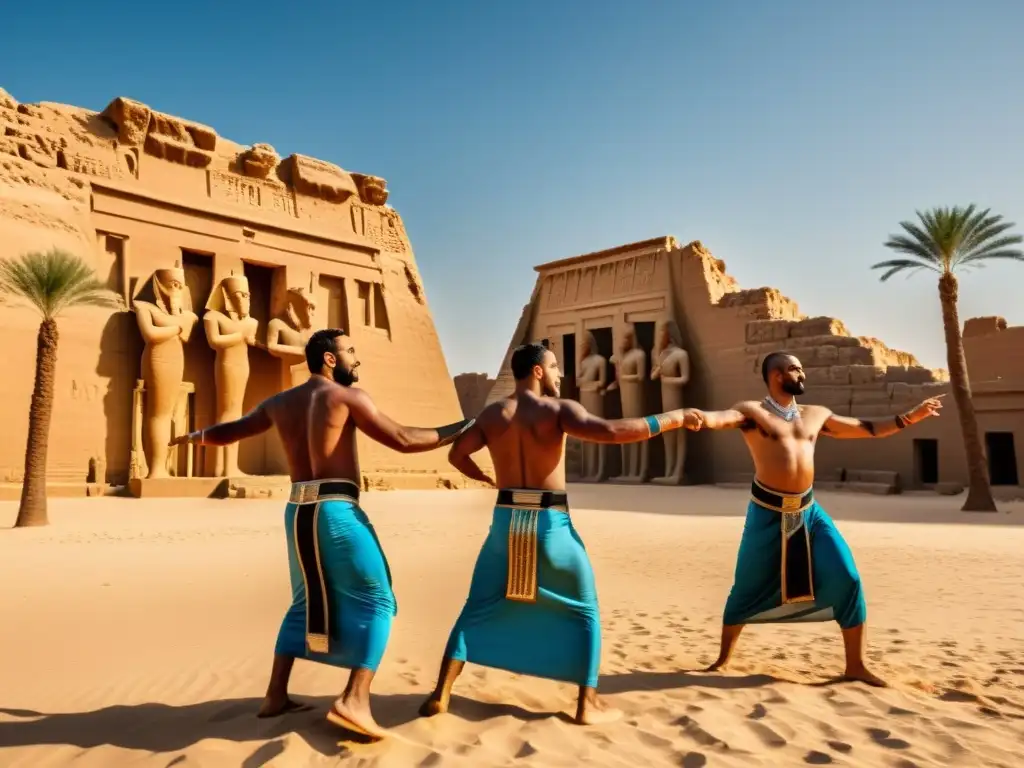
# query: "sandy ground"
[[139, 633]]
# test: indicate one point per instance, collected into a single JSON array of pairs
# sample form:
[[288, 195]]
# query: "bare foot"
[[355, 718], [596, 712], [275, 707], [718, 665], [864, 675], [434, 705]]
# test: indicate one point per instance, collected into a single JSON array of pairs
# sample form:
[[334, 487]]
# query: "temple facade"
[[224, 258], [656, 325]]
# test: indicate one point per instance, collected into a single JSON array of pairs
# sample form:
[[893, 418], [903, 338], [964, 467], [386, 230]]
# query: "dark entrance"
[[1002, 458], [926, 461], [569, 389]]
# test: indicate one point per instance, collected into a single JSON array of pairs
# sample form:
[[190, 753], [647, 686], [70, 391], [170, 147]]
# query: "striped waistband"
[[532, 499], [322, 490], [788, 503]]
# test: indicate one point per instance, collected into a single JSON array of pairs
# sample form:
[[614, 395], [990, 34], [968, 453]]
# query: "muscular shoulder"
[[816, 411]]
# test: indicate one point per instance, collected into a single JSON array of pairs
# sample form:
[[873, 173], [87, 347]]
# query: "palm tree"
[[49, 283], [944, 241]]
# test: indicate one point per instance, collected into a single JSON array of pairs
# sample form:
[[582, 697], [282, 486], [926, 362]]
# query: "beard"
[[551, 390], [344, 376], [793, 387]]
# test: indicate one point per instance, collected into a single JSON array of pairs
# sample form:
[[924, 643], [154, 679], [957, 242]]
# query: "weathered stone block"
[[818, 326], [871, 396], [866, 374], [761, 331], [857, 356], [909, 374], [824, 355], [828, 396], [319, 178]]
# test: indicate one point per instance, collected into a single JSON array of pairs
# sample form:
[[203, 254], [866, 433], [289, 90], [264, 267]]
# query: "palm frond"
[[950, 238], [894, 266], [53, 281]]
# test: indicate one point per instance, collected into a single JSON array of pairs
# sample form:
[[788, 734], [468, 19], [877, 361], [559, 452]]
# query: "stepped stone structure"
[[226, 258], [610, 303]]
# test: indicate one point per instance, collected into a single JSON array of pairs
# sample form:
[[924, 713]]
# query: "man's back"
[[525, 441], [313, 422]]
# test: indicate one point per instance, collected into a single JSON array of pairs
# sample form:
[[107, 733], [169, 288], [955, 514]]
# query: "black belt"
[[509, 497], [781, 502], [314, 490]]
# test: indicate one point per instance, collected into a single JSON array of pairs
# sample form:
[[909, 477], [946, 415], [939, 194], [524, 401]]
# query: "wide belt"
[[787, 503], [322, 490], [509, 497]]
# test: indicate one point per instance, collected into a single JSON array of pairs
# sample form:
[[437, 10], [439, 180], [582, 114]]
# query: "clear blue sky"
[[791, 138]]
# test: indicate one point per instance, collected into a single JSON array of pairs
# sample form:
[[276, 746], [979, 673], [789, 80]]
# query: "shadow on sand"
[[163, 728]]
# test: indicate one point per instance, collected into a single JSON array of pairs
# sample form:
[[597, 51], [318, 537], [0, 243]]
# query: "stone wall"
[[132, 190], [472, 389]]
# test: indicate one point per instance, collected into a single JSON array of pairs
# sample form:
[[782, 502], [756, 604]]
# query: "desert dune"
[[140, 633]]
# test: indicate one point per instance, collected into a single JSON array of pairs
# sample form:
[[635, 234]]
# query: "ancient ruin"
[[226, 257], [654, 325]]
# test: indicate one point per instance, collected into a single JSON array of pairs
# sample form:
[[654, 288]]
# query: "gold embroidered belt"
[[308, 496], [526, 506], [797, 566]]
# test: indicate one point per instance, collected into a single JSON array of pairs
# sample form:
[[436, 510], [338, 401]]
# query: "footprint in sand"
[[885, 739], [770, 737], [817, 758], [693, 760], [841, 746], [758, 713]]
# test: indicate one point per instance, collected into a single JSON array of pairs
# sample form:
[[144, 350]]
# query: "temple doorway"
[[926, 461], [1002, 458]]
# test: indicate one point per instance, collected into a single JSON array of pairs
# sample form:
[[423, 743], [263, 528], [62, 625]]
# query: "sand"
[[140, 633]]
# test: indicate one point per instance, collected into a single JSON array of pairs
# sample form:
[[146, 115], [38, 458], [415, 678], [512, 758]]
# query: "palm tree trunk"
[[32, 510], [979, 492]]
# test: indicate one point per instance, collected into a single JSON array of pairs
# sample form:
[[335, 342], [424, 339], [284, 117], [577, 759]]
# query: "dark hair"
[[319, 343], [771, 362], [524, 358]]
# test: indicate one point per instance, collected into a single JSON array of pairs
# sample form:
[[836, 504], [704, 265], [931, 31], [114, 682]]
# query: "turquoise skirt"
[[537, 613], [756, 596], [356, 581]]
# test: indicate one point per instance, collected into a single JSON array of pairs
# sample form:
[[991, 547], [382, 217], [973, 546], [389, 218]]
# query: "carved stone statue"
[[592, 380], [671, 366], [287, 334], [165, 326], [230, 331], [630, 362]]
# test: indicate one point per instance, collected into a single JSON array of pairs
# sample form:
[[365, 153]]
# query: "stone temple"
[[225, 258], [656, 325]]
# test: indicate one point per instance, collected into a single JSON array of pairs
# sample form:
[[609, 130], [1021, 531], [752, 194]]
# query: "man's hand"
[[925, 410], [693, 419], [188, 437]]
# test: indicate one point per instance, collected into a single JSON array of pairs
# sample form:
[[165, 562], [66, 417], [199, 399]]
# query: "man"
[[793, 564], [342, 601], [532, 605]]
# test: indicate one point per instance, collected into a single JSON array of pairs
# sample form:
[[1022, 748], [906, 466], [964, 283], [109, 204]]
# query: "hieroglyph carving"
[[251, 193], [585, 284], [381, 226]]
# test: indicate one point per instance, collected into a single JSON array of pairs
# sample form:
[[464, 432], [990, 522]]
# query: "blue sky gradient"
[[791, 138]]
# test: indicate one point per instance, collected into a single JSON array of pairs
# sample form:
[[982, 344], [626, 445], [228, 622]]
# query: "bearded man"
[[342, 599]]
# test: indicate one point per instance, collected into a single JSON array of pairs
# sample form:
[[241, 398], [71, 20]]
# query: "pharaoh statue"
[[288, 333], [630, 363], [165, 324], [671, 366], [230, 331], [592, 380]]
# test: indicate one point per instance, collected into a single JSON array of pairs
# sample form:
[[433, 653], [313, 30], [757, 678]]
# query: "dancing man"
[[342, 600], [793, 564], [532, 606]]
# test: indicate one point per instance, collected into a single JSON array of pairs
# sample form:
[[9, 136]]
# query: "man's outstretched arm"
[[577, 422], [380, 427], [461, 454], [845, 428], [253, 423]]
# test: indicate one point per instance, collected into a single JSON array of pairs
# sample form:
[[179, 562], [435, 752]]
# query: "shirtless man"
[[532, 606], [342, 601], [793, 564]]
